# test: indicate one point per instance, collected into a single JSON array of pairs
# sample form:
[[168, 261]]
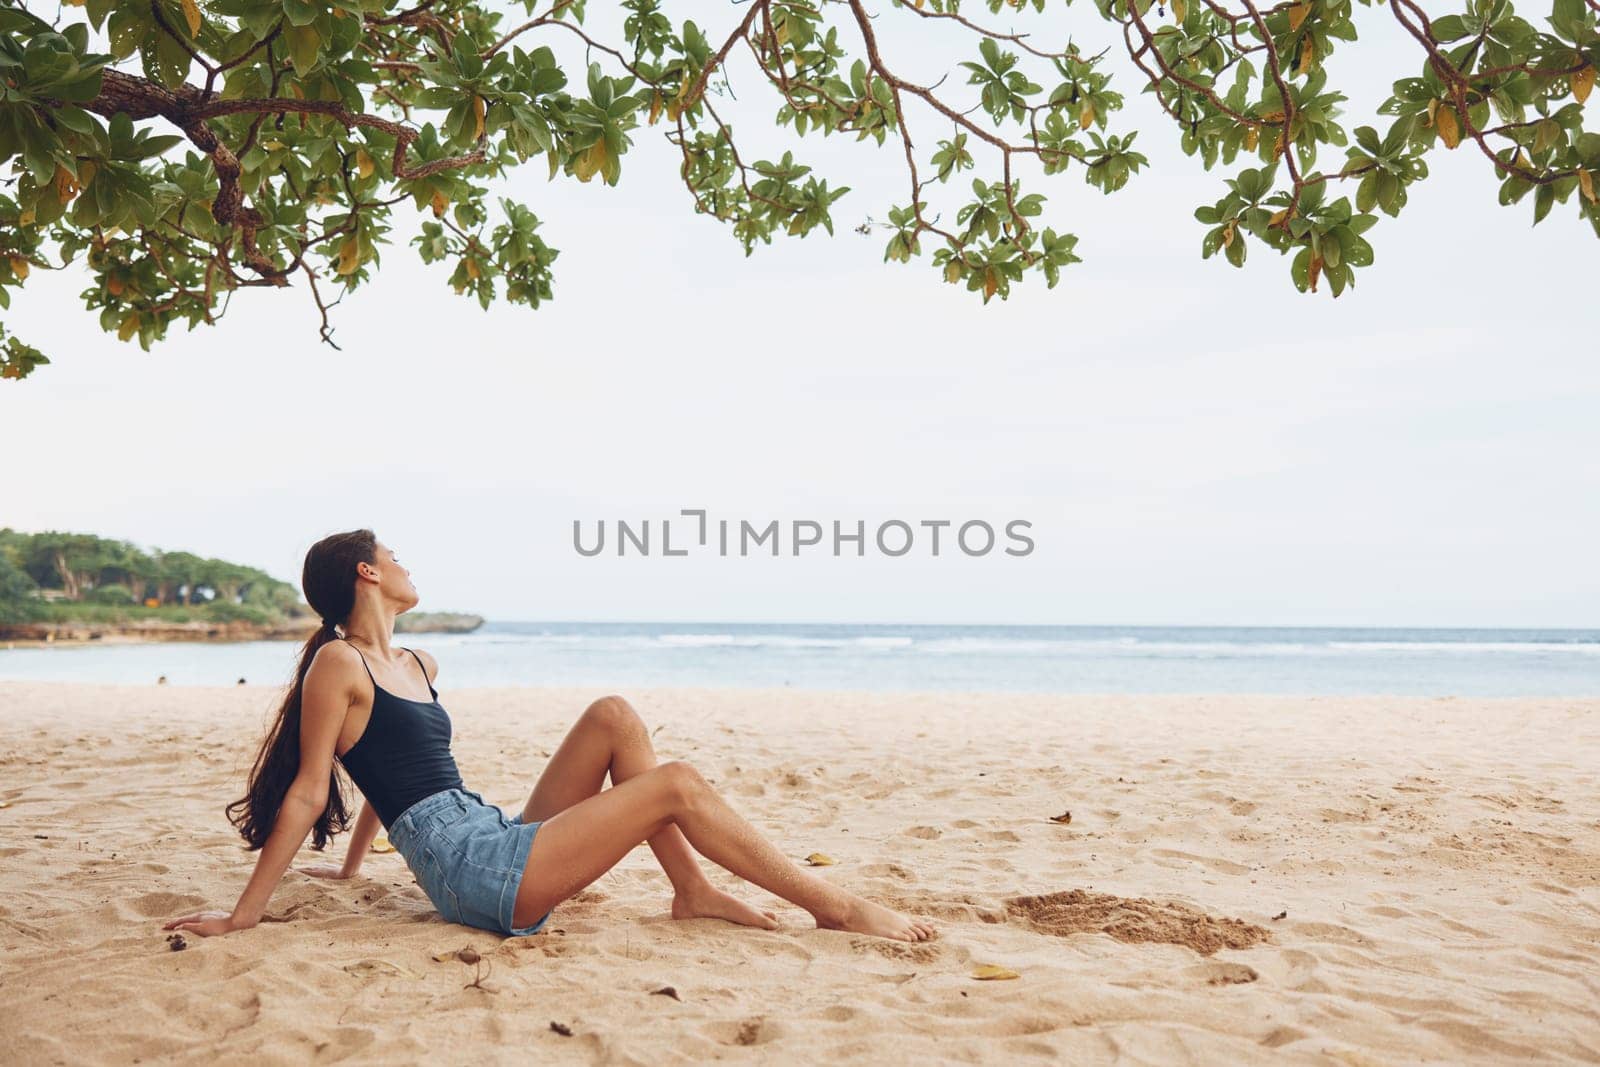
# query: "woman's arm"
[[325, 698], [361, 838], [295, 819]]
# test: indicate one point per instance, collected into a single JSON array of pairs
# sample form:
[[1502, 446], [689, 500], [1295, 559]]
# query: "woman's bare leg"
[[579, 844], [610, 737]]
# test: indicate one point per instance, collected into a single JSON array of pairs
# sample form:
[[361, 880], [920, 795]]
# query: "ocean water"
[[1059, 659]]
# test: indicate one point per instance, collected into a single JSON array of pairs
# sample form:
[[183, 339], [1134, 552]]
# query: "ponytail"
[[330, 589]]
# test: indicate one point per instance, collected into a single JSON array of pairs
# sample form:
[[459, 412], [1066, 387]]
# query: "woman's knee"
[[614, 713], [683, 783]]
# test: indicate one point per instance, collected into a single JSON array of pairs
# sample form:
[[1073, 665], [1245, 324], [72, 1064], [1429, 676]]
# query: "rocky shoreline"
[[75, 632]]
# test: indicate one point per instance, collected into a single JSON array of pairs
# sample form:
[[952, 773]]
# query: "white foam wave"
[[1583, 648]]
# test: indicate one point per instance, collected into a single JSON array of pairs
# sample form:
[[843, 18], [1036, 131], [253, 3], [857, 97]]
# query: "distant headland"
[[72, 587]]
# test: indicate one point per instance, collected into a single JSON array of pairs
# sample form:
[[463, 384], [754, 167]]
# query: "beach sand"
[[1243, 880]]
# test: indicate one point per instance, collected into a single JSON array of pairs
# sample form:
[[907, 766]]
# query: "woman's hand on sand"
[[205, 923], [325, 870]]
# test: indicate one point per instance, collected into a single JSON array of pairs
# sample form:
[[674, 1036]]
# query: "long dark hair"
[[329, 583]]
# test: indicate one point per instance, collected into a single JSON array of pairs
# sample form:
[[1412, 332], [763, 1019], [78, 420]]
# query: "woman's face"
[[394, 581]]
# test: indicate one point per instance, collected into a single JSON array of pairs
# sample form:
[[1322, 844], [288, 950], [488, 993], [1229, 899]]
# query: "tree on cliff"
[[269, 142], [77, 564], [16, 589]]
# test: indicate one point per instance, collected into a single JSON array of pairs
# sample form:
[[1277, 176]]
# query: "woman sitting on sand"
[[476, 866]]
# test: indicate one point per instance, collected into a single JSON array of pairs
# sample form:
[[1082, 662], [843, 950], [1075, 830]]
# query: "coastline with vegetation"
[[67, 588]]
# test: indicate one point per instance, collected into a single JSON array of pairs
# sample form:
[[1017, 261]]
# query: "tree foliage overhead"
[[189, 148]]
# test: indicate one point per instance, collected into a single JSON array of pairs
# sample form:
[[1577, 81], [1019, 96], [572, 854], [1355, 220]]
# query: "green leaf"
[[167, 62], [300, 12], [127, 29], [1367, 191], [1542, 201], [304, 43], [1236, 250], [75, 119]]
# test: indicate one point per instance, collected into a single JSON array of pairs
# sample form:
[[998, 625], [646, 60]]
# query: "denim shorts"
[[467, 857]]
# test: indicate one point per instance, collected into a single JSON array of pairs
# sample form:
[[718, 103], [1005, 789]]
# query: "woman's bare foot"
[[709, 902], [862, 916]]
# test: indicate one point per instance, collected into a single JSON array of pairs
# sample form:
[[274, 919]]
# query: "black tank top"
[[404, 753]]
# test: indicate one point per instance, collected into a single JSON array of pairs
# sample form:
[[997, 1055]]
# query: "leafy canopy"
[[219, 144]]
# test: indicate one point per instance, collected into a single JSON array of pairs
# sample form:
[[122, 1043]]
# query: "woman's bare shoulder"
[[338, 664], [429, 663]]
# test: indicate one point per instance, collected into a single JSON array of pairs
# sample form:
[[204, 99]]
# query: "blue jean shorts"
[[467, 857]]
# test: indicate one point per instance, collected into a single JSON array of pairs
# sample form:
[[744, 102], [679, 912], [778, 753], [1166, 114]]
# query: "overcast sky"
[[1191, 443]]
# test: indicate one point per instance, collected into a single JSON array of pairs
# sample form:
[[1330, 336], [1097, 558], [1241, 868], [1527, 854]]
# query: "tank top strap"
[[363, 661], [431, 690]]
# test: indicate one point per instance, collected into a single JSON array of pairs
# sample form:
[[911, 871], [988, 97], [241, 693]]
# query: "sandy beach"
[[1242, 880]]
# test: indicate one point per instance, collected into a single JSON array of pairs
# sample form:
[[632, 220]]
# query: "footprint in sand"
[[230, 1019], [1331, 933], [1023, 1025], [889, 870], [1301, 974], [756, 1031], [153, 905], [1280, 1036], [1222, 866], [926, 833], [1222, 972], [791, 780], [346, 1041], [909, 951], [1463, 928]]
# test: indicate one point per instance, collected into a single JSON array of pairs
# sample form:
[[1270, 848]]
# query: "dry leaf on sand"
[[466, 954]]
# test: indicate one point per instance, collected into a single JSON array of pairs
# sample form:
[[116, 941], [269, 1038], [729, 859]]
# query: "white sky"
[[1192, 443]]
